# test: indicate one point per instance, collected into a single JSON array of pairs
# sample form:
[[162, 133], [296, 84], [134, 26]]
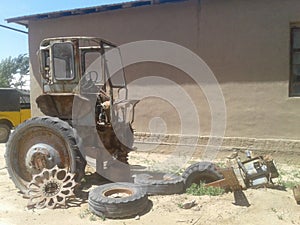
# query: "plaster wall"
[[245, 43]]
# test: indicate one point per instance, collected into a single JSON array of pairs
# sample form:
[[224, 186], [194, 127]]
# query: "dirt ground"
[[267, 206]]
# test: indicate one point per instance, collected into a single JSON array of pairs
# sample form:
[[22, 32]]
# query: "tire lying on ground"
[[205, 172], [118, 200], [160, 183]]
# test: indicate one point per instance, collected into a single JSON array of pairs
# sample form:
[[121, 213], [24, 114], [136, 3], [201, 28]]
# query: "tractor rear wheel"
[[42, 142]]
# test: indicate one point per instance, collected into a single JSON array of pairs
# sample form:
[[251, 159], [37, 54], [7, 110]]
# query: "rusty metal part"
[[112, 144], [230, 181], [51, 188], [41, 156], [61, 105]]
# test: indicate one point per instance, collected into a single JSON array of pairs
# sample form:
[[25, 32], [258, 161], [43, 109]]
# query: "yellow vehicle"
[[14, 109]]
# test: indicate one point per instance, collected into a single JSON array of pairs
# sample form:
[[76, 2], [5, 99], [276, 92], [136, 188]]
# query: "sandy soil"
[[267, 206]]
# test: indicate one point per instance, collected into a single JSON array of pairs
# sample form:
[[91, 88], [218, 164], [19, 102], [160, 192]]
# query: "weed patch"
[[201, 189]]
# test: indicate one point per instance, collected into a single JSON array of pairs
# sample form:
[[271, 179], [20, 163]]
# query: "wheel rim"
[[41, 156], [118, 193], [31, 151], [50, 188]]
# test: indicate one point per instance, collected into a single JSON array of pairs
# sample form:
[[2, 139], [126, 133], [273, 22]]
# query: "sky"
[[14, 43]]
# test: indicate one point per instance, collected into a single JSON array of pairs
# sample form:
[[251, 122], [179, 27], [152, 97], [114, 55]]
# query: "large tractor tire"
[[205, 172], [4, 132], [42, 142]]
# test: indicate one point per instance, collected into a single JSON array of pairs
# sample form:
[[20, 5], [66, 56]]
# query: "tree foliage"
[[9, 67]]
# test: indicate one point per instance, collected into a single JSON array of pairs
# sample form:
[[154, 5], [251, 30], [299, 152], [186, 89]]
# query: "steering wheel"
[[89, 81], [91, 76]]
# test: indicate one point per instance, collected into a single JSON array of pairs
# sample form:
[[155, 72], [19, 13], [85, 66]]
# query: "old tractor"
[[88, 117]]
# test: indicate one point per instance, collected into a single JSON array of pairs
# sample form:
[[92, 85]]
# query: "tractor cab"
[[65, 61], [78, 67]]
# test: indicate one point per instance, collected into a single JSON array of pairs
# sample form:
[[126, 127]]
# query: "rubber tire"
[[125, 207], [6, 130], [201, 172], [157, 184], [58, 127]]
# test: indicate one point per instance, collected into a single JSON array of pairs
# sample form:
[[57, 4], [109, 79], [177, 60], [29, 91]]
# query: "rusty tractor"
[[88, 117]]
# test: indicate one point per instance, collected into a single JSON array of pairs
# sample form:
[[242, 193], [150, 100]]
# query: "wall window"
[[295, 62]]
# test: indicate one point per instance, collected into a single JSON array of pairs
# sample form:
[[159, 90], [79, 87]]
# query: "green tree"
[[9, 67]]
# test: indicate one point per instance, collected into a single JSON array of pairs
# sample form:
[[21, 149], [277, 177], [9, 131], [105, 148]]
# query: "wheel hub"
[[41, 156], [51, 188]]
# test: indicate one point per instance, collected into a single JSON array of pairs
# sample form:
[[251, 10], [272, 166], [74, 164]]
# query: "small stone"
[[189, 205], [137, 217], [197, 208]]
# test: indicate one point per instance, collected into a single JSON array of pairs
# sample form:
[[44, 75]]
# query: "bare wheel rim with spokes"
[[51, 188], [41, 142]]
